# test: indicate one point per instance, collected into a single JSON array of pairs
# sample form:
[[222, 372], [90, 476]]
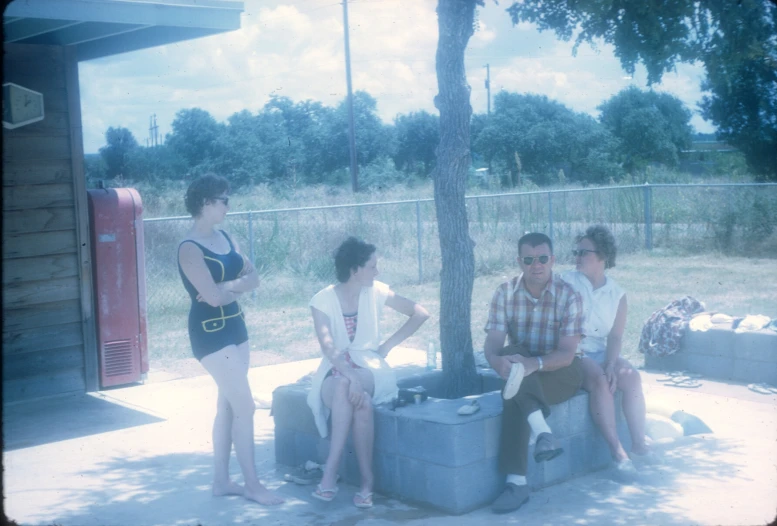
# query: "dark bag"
[[664, 329]]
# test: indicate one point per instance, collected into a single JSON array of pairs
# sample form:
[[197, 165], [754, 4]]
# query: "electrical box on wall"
[[118, 267], [21, 106]]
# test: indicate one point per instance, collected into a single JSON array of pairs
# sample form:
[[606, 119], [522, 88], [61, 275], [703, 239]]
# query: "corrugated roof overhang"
[[100, 28]]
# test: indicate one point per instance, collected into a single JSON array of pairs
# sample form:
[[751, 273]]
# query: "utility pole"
[[352, 140], [488, 87], [153, 131]]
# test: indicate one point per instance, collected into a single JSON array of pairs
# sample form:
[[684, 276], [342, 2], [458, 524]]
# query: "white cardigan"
[[362, 349]]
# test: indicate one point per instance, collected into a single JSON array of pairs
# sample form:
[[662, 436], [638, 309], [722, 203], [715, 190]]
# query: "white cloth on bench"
[[362, 349]]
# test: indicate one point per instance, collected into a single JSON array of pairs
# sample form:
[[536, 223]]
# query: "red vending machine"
[[116, 220]]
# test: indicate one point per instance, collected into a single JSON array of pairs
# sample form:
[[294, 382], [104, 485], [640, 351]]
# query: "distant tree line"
[[526, 136]]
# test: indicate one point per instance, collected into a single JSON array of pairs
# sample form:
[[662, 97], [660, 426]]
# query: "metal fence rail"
[[293, 247]]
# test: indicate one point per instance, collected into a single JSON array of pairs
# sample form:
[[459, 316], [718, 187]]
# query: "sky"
[[295, 48]]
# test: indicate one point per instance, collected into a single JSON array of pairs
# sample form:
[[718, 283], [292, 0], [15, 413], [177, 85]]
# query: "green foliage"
[[734, 40], [95, 169], [741, 64], [652, 127], [417, 134], [119, 143], [545, 136], [194, 133]]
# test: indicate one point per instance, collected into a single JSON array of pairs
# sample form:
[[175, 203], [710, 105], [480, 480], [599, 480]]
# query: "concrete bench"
[[430, 455], [724, 354]]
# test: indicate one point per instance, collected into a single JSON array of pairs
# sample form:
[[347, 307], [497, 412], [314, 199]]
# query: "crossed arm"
[[215, 294], [557, 359]]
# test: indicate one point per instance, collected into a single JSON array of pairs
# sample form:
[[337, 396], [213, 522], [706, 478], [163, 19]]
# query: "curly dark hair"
[[604, 243], [351, 254], [204, 190]]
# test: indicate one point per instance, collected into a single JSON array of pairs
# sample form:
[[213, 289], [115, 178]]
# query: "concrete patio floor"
[[141, 455]]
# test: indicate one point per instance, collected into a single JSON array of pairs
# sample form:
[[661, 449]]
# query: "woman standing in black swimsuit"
[[214, 274]]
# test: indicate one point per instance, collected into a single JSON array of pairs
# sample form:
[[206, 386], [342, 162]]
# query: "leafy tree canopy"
[[735, 40], [546, 136], [652, 127], [119, 142], [418, 134]]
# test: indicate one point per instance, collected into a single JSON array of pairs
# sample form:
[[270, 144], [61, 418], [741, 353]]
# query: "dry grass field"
[[283, 332]]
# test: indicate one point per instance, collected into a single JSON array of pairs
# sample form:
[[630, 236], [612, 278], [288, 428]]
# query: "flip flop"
[[327, 495], [765, 389], [684, 381], [363, 500], [470, 408], [672, 376]]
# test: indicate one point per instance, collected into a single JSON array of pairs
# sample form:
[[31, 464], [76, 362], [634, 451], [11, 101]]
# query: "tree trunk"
[[455, 22]]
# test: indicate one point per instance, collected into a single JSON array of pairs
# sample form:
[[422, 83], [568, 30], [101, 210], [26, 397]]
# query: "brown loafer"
[[546, 448], [512, 498]]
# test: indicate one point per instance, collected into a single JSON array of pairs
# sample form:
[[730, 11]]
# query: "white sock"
[[518, 480], [537, 424]]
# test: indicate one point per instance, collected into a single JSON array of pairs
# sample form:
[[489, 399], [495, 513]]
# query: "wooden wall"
[[48, 333]]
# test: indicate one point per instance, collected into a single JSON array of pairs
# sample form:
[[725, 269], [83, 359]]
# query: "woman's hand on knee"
[[611, 375]]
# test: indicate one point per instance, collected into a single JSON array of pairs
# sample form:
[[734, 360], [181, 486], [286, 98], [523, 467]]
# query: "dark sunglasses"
[[582, 252], [224, 200], [529, 260]]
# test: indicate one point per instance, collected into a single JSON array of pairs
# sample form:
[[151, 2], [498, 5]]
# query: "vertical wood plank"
[[91, 372]]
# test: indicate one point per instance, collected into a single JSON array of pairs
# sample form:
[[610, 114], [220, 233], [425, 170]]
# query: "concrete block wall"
[[724, 354], [430, 455]]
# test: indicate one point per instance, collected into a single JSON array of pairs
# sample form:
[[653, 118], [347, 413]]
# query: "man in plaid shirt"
[[542, 318]]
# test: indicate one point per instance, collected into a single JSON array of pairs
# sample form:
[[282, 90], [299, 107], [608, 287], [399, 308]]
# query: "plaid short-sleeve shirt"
[[536, 324]]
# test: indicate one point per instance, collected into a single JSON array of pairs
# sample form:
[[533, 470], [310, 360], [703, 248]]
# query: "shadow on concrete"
[[662, 495], [44, 421]]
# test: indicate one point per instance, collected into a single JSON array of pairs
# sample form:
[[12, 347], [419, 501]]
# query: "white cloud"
[[295, 48]]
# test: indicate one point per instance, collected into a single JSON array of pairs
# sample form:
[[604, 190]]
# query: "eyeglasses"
[[224, 200], [582, 252], [529, 260]]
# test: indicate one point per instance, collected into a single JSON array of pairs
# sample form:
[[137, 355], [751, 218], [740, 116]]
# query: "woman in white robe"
[[353, 374]]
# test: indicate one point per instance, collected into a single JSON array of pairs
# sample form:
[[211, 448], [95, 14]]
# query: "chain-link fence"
[[293, 248]]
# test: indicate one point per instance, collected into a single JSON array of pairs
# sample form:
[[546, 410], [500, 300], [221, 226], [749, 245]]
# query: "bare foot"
[[264, 496], [228, 488]]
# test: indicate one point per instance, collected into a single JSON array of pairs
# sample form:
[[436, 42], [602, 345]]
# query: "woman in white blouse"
[[604, 305], [353, 374]]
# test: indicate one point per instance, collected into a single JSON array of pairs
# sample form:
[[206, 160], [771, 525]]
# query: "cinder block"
[[386, 468], [429, 454], [579, 455], [760, 346], [673, 362], [290, 409], [710, 366], [447, 445], [385, 431], [599, 453], [309, 447], [712, 342], [751, 371], [413, 474], [559, 420], [578, 413], [453, 490], [560, 468], [285, 447], [493, 430]]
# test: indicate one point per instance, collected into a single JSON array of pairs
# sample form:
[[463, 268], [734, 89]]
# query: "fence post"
[[251, 246], [550, 214], [418, 236], [648, 217]]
